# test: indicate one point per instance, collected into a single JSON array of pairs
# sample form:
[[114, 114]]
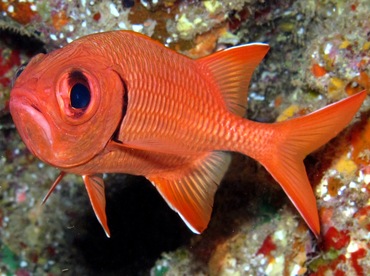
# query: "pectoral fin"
[[95, 189], [190, 190]]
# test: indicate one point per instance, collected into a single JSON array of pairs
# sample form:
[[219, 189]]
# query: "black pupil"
[[80, 96]]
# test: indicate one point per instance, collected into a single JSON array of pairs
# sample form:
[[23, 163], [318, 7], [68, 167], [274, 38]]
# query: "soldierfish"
[[120, 102]]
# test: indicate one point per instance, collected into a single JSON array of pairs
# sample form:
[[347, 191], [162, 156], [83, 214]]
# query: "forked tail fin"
[[298, 137]]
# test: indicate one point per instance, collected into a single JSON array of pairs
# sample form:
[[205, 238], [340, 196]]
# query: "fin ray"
[[232, 69], [55, 184], [313, 130], [190, 191], [95, 189], [298, 137]]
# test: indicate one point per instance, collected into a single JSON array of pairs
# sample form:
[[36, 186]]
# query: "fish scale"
[[185, 108]]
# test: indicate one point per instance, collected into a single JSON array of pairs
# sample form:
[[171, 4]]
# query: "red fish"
[[119, 102]]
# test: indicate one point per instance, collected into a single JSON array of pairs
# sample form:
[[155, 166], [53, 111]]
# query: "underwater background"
[[320, 53]]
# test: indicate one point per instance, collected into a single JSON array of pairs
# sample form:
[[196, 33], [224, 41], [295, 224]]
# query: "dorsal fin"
[[190, 191], [232, 70], [95, 189]]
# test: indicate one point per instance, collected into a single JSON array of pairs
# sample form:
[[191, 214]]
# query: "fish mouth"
[[31, 124], [38, 117]]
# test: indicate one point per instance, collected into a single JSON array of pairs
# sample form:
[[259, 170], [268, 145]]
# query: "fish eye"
[[80, 96], [18, 72]]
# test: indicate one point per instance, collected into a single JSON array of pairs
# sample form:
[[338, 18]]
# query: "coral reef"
[[320, 52]]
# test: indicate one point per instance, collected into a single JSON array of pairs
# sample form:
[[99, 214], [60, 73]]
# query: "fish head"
[[66, 105]]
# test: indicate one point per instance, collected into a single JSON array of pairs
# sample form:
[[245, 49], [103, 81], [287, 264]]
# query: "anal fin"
[[95, 189], [190, 190]]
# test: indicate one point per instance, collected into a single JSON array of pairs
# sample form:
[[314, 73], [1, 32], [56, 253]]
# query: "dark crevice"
[[142, 227]]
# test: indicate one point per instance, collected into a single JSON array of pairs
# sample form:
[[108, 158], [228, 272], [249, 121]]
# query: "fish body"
[[119, 102]]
